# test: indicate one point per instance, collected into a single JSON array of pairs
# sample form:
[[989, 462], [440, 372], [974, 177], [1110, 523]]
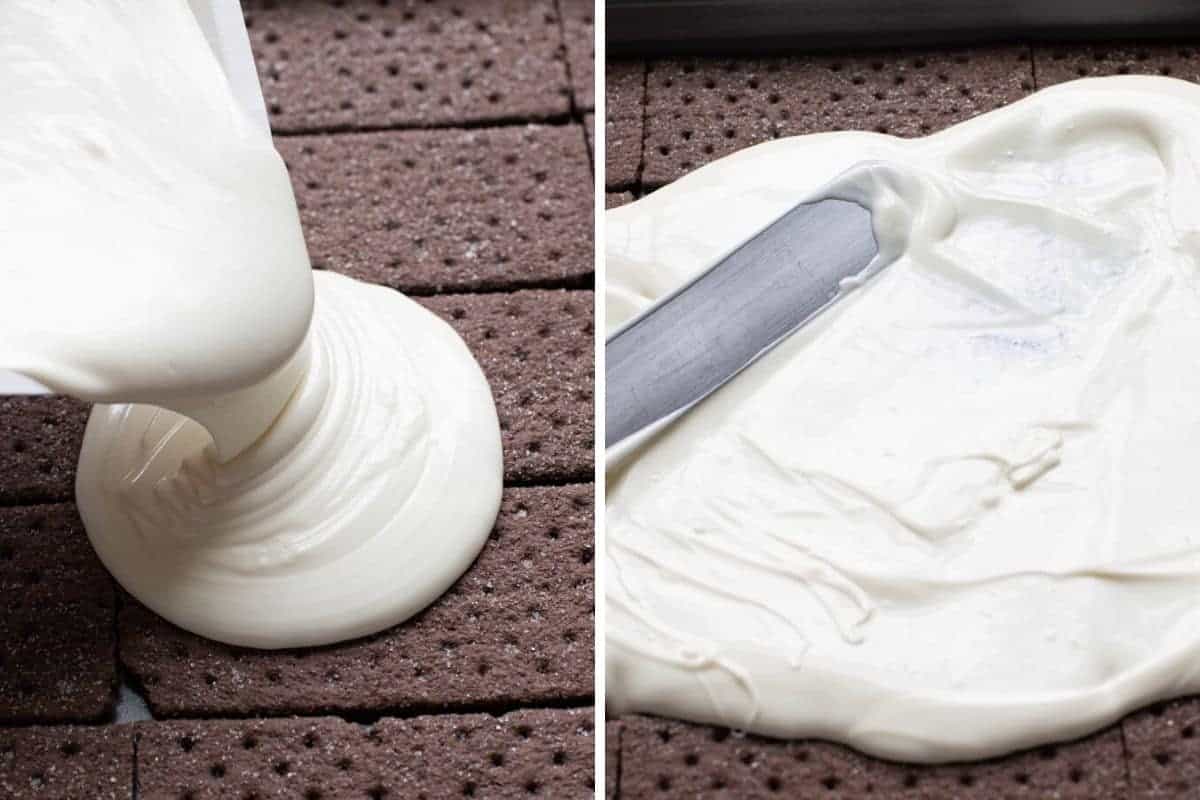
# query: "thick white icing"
[[146, 217], [957, 514], [374, 490], [308, 484]]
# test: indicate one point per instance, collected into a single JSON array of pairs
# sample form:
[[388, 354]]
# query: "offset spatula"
[[690, 343]]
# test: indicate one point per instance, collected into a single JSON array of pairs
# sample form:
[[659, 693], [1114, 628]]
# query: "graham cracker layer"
[[625, 100], [579, 33], [67, 762], [537, 351], [1056, 63], [57, 637], [355, 64], [540, 752], [698, 110], [447, 211], [614, 199], [39, 444], [516, 629], [666, 759]]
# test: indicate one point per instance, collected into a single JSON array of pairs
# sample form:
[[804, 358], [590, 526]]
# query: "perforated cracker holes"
[[57, 642], [701, 109], [667, 759], [515, 630], [343, 64], [536, 349], [545, 753], [1056, 63], [39, 443], [67, 762], [625, 99], [444, 211]]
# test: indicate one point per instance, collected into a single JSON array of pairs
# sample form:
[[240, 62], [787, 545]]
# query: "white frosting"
[[325, 482], [146, 219], [957, 514], [374, 491]]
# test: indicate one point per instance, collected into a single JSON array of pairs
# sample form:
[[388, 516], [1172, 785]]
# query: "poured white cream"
[[146, 220], [309, 483], [372, 493], [956, 515]]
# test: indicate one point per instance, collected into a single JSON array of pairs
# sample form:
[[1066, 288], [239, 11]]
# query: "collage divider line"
[[598, 391]]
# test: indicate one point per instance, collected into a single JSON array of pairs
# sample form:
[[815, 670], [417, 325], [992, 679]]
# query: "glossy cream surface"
[[956, 515], [146, 218], [373, 491], [276, 460]]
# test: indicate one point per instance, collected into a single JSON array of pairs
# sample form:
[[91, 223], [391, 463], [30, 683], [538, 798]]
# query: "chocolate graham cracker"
[[545, 752], [516, 629], [589, 129], [665, 759], [39, 442], [1163, 749], [352, 64], [1056, 63], [612, 758], [614, 199], [580, 38], [698, 110], [443, 211], [67, 762], [625, 100], [536, 349], [57, 642]]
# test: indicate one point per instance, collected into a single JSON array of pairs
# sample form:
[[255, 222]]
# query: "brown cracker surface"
[[698, 110], [667, 759], [539, 752], [39, 442], [612, 758], [66, 762], [589, 129], [614, 199], [1164, 750], [363, 64], [536, 349], [57, 640], [1056, 63], [445, 211], [579, 29], [625, 97], [516, 629]]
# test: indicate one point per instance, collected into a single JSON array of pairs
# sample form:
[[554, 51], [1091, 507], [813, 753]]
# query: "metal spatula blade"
[[695, 340]]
